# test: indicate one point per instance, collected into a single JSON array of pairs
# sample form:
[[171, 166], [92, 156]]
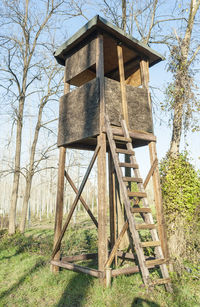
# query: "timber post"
[[60, 192]]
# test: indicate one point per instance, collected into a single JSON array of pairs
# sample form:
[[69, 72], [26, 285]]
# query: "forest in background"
[[31, 83]]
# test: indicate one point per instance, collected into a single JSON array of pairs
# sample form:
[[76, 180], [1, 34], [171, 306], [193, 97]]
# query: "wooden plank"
[[155, 262], [101, 163], [150, 244], [131, 165], [78, 62], [132, 179], [80, 106], [115, 247], [137, 194], [129, 270], [135, 134], [77, 268], [150, 173], [122, 139], [125, 255], [141, 210], [134, 79], [60, 192], [79, 257], [122, 83], [112, 201], [102, 204], [59, 203], [100, 78], [158, 201], [57, 245], [139, 114], [81, 199], [161, 281], [146, 226], [125, 151], [144, 73]]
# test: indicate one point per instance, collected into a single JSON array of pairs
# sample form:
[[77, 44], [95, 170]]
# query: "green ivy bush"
[[180, 184], [180, 188]]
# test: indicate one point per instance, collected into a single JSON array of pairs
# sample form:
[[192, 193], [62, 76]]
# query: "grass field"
[[26, 279]]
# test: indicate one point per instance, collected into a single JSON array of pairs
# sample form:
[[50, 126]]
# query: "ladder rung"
[[141, 210], [133, 179], [125, 151], [122, 139], [128, 165], [155, 262], [150, 244], [146, 226], [161, 281], [137, 194]]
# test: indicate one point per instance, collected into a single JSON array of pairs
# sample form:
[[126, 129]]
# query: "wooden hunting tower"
[[110, 111]]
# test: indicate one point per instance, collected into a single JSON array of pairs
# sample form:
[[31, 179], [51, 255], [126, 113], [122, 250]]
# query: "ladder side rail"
[[132, 226], [148, 216]]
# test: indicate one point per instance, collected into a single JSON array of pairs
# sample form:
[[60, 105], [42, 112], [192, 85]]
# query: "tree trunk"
[[177, 130], [25, 203], [30, 172], [13, 205], [124, 15]]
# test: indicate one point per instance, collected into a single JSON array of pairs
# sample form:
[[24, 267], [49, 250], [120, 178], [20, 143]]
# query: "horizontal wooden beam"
[[135, 134], [77, 268], [79, 257], [125, 255], [129, 270]]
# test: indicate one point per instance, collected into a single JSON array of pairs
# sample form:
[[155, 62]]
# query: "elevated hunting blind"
[[109, 110]]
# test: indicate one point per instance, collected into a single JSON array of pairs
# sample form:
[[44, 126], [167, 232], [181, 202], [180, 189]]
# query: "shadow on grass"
[[5, 293], [140, 302], [22, 244], [75, 291]]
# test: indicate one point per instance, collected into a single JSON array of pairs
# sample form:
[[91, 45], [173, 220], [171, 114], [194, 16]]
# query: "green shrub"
[[180, 184], [180, 188]]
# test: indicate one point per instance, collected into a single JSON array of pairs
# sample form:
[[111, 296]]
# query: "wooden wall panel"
[[80, 61], [80, 113], [139, 113]]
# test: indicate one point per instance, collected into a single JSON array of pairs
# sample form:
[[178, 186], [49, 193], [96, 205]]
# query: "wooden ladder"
[[137, 197]]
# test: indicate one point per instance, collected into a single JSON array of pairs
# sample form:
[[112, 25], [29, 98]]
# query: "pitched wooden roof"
[[99, 24]]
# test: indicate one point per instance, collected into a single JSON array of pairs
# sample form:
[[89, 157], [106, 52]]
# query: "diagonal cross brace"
[[57, 245], [81, 199], [150, 173]]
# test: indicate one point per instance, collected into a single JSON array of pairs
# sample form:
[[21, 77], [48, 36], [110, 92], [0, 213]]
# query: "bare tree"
[[51, 89], [181, 92], [26, 27]]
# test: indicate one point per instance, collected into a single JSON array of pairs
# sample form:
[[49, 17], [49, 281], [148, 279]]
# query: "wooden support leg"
[[102, 207], [112, 203], [158, 201], [108, 277], [59, 204]]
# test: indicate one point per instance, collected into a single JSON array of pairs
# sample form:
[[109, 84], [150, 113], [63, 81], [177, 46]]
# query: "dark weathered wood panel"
[[139, 113], [80, 60], [79, 114]]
